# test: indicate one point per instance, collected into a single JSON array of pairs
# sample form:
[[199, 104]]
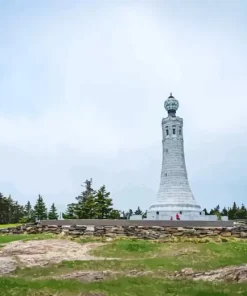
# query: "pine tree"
[[53, 215], [144, 215], [124, 215], [70, 212], [28, 209], [114, 214], [92, 204], [232, 213], [10, 210], [103, 203], [40, 209], [224, 212], [138, 211], [86, 208], [29, 215], [242, 212], [87, 192], [129, 214]]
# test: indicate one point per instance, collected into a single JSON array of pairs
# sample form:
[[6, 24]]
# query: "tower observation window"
[[167, 131], [174, 129]]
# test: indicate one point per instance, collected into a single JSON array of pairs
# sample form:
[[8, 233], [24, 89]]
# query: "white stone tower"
[[174, 195]]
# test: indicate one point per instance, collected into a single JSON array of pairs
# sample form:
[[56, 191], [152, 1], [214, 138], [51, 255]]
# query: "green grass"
[[190, 254], [4, 239], [146, 255], [129, 249], [123, 286], [140, 255], [9, 225]]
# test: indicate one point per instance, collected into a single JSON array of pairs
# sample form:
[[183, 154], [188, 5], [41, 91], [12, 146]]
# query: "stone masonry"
[[139, 232], [174, 195]]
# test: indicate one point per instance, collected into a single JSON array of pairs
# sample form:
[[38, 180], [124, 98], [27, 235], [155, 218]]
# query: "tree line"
[[12, 212], [234, 212], [92, 204], [89, 204]]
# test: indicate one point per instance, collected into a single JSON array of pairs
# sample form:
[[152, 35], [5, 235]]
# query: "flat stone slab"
[[7, 265], [43, 252]]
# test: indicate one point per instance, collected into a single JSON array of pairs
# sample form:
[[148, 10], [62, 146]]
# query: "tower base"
[[184, 216]]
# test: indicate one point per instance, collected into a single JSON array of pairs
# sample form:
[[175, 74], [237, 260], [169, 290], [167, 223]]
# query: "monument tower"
[[174, 195]]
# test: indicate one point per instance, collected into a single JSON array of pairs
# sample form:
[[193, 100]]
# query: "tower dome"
[[171, 105]]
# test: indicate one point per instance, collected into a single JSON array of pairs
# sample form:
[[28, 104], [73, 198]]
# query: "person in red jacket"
[[177, 216]]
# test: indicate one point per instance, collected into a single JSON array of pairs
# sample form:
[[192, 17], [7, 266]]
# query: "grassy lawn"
[[9, 225], [4, 239], [146, 255], [138, 255], [174, 255], [123, 286]]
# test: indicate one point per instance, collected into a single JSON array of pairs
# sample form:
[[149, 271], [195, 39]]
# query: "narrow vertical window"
[[180, 130], [174, 129], [167, 131]]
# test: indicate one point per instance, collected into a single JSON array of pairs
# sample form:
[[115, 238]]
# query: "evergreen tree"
[[232, 212], [29, 215], [28, 209], [10, 210], [242, 213], [124, 215], [86, 208], [224, 212], [138, 211], [53, 215], [70, 212], [40, 209], [87, 192], [144, 215], [114, 214], [103, 203], [129, 214]]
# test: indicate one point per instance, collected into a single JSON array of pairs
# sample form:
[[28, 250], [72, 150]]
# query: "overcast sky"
[[82, 89]]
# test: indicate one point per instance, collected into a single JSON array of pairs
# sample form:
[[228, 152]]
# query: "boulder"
[[226, 234], [243, 234]]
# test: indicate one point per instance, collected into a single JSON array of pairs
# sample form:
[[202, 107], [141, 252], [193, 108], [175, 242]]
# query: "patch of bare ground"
[[43, 252], [94, 276], [228, 274], [92, 294]]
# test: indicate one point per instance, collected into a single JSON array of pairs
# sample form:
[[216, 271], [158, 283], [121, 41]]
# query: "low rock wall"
[[142, 232], [146, 223]]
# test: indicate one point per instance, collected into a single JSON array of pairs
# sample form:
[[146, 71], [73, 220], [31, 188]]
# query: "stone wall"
[[124, 222], [142, 232]]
